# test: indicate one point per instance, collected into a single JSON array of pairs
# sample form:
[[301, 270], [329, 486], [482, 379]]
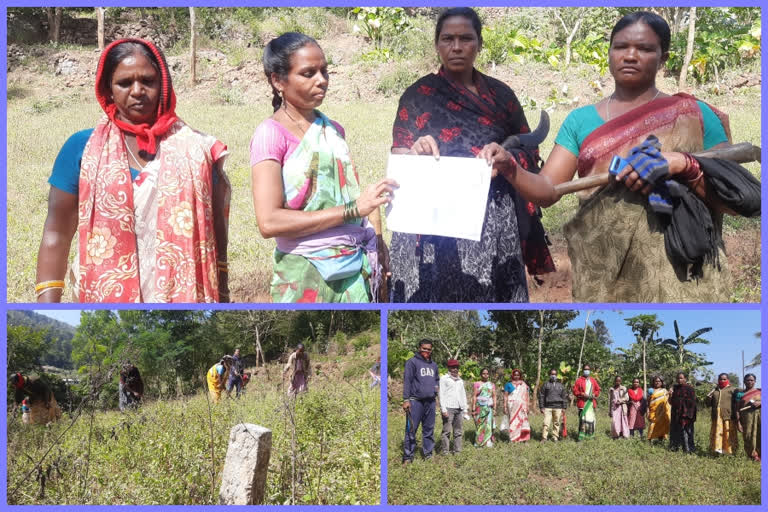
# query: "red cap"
[[452, 363]]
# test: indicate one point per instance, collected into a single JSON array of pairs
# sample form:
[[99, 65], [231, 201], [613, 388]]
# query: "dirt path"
[[743, 251]]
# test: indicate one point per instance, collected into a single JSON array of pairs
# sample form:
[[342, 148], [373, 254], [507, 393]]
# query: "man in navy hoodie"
[[420, 386]]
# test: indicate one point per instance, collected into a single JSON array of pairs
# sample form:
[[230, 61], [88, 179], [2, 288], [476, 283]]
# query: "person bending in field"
[[420, 386], [217, 377], [43, 408], [131, 387], [375, 373]]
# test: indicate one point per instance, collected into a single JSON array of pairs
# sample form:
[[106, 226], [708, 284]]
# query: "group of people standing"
[[143, 188], [667, 413]]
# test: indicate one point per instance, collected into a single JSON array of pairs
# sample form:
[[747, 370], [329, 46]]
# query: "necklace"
[[141, 167], [608, 106], [298, 125]]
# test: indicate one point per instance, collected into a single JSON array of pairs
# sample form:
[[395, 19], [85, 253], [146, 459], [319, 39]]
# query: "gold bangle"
[[44, 285]]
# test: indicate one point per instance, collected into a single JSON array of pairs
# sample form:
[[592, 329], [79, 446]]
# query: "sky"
[[68, 316], [732, 331]]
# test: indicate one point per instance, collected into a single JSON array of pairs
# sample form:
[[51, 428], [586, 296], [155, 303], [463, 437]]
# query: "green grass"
[[596, 472], [161, 453], [39, 125]]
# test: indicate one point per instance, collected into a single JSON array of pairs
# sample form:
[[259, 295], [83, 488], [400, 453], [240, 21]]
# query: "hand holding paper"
[[445, 197]]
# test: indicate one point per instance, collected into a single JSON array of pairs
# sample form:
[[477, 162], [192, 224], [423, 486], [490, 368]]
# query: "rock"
[[244, 478], [66, 66]]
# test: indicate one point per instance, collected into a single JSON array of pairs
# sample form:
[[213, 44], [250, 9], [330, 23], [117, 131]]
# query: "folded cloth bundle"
[[690, 235]]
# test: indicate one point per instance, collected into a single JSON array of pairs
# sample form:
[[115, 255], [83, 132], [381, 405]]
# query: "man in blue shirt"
[[420, 386]]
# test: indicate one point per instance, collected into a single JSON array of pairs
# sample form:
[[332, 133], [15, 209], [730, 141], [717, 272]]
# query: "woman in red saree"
[[616, 241], [516, 402], [145, 193]]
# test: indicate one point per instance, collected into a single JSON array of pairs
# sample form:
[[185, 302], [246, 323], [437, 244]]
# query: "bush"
[[396, 82]]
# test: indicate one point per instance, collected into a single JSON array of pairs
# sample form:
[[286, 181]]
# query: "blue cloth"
[[421, 379], [65, 175], [509, 387], [653, 168], [581, 122], [422, 412]]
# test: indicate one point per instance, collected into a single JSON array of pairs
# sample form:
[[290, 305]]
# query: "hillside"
[[58, 338], [171, 451]]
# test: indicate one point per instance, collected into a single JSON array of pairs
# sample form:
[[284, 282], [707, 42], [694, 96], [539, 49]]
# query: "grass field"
[[596, 472], [162, 452], [37, 127]]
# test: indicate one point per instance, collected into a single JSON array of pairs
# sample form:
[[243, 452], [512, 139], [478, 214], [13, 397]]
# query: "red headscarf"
[[722, 384], [146, 135], [19, 381]]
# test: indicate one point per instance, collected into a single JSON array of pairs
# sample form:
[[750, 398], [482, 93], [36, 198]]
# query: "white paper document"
[[445, 197]]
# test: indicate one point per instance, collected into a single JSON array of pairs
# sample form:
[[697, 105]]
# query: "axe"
[[740, 153], [529, 140]]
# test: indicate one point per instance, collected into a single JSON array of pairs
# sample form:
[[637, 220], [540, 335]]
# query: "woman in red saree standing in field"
[[623, 246], [516, 403], [637, 408], [145, 193]]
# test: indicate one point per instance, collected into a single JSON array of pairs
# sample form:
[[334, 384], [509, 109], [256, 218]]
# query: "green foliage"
[[229, 94], [362, 342], [26, 347], [724, 38], [161, 453], [596, 472], [375, 22], [393, 84]]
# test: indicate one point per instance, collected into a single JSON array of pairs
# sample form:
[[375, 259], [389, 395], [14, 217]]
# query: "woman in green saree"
[[306, 190], [483, 408]]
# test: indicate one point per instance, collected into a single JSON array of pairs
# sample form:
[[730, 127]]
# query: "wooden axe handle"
[[740, 153]]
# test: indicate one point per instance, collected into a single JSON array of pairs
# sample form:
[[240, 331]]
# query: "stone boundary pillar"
[[244, 479]]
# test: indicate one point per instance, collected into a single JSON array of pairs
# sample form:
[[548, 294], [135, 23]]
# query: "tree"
[[574, 17], [100, 26], [645, 328], [26, 346], [757, 360], [54, 23], [680, 342], [689, 49], [192, 47]]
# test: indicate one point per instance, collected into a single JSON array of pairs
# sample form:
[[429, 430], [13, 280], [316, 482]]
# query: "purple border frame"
[[385, 308]]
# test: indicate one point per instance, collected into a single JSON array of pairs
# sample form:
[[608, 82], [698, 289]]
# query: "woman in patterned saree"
[[659, 411], [306, 190], [516, 402], [616, 240], [483, 409], [145, 193], [637, 408], [748, 417], [458, 112]]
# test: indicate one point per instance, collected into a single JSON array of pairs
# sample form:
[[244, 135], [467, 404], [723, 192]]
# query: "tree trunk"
[[100, 30], [192, 47], [688, 50], [645, 377], [54, 23], [538, 366], [581, 352]]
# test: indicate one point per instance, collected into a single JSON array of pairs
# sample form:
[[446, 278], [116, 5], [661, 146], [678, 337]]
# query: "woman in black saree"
[[458, 111]]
